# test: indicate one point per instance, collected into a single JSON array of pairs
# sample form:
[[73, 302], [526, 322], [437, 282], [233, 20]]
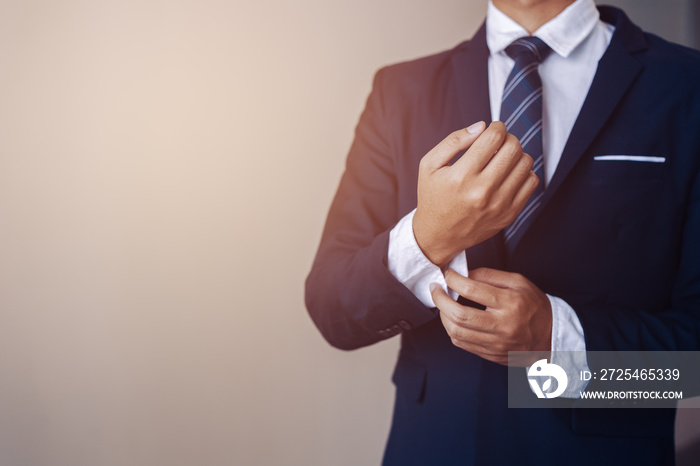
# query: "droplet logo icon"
[[543, 370]]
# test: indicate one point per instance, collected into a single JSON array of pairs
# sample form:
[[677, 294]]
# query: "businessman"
[[577, 210]]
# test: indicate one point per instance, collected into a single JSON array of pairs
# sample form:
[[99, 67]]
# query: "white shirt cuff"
[[568, 345], [408, 264]]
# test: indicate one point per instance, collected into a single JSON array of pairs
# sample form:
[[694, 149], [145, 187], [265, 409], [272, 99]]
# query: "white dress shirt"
[[578, 39]]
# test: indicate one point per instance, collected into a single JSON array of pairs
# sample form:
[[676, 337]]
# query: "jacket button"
[[395, 329], [405, 325], [381, 333]]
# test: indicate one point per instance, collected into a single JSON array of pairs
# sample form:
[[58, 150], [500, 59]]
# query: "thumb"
[[460, 140]]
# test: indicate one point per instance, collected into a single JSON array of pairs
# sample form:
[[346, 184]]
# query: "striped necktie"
[[521, 112]]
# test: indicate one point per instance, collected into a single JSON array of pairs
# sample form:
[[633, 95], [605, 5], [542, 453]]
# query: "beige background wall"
[[165, 170]]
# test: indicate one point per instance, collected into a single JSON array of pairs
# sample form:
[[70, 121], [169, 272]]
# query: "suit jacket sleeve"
[[351, 295]]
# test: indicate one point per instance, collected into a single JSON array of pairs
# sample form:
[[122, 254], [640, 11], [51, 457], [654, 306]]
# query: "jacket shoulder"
[[672, 71], [663, 53], [417, 73]]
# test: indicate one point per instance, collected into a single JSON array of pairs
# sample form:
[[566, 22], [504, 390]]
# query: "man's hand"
[[463, 204], [518, 316]]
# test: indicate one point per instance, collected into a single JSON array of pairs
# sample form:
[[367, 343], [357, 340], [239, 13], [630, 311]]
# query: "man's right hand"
[[465, 203]]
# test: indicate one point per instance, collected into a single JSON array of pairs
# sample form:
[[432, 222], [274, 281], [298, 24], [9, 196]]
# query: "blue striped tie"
[[521, 111]]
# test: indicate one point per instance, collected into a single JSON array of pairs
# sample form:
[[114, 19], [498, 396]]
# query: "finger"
[[497, 278], [440, 155], [525, 192], [505, 159], [477, 291], [441, 299], [462, 316], [461, 335], [515, 179], [483, 351], [470, 324], [481, 151]]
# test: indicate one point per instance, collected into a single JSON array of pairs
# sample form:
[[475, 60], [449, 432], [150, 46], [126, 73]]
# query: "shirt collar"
[[562, 34]]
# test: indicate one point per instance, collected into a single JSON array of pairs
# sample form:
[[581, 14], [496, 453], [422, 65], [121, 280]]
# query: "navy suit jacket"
[[618, 240]]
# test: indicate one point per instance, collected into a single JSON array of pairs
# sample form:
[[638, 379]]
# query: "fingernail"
[[476, 127], [433, 286]]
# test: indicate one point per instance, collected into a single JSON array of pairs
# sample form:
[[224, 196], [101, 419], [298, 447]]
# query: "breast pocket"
[[627, 169]]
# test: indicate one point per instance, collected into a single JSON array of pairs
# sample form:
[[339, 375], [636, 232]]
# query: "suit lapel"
[[616, 72], [470, 67]]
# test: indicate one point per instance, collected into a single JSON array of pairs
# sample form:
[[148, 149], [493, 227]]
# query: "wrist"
[[430, 246]]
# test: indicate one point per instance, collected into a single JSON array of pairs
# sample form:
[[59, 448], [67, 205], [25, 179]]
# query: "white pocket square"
[[631, 158]]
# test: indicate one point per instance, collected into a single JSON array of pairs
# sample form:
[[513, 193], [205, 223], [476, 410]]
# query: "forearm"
[[351, 295], [355, 301]]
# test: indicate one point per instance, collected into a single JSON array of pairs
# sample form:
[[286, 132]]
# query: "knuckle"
[[423, 164], [455, 138], [511, 330], [513, 143], [493, 136], [481, 322], [492, 326], [527, 161], [498, 204], [534, 179], [463, 318], [530, 183], [494, 298], [454, 282], [477, 197], [491, 212], [484, 273], [466, 290], [518, 301], [498, 126], [508, 298], [450, 327], [499, 347], [511, 339], [454, 178]]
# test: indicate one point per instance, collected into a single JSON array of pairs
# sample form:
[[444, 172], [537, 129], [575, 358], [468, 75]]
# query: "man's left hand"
[[518, 315]]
